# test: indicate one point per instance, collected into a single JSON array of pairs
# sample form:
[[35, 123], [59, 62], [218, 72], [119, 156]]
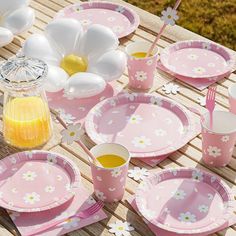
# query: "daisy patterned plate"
[[197, 59], [147, 125], [34, 181], [185, 201], [120, 19]]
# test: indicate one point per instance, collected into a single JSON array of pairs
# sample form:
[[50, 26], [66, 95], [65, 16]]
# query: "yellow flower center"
[[141, 141], [73, 64], [72, 133], [120, 228]]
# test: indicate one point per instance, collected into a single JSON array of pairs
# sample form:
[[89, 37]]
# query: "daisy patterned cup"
[[141, 70], [218, 142], [232, 98], [109, 183]]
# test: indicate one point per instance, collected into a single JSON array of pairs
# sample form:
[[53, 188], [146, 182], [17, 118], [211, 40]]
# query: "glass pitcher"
[[26, 116]]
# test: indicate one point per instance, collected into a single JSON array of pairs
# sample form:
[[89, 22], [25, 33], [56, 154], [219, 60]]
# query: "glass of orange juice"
[[109, 178], [141, 69]]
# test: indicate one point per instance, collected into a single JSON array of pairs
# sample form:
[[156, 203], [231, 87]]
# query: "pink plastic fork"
[[82, 215], [210, 103]]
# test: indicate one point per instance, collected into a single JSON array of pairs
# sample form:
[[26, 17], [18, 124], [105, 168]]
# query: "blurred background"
[[213, 19]]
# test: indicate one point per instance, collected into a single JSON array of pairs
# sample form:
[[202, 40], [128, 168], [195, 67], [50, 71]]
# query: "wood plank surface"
[[189, 155]]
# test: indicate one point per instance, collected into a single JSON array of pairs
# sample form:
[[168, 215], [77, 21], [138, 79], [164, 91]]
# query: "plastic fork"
[[210, 103], [82, 215]]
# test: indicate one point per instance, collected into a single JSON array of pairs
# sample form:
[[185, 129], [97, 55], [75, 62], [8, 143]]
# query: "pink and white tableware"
[[218, 142], [185, 201], [34, 181], [141, 71], [109, 183], [120, 19], [147, 125], [232, 98]]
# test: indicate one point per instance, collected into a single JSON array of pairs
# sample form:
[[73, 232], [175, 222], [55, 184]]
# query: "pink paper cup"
[[109, 183], [141, 70], [232, 98], [218, 142]]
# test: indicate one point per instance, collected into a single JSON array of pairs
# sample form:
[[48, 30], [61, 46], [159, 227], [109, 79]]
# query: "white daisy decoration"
[[66, 117], [214, 151], [116, 172], [203, 208], [171, 88], [210, 196], [160, 132], [100, 195], [179, 194], [72, 133], [197, 175], [202, 101], [49, 189], [111, 18], [141, 75], [199, 70], [117, 29], [90, 200], [149, 62], [71, 223], [31, 198], [141, 142], [211, 64], [149, 214], [134, 119], [156, 101], [13, 160], [13, 214], [131, 96], [169, 16], [29, 176], [85, 22], [187, 217], [192, 57], [206, 45], [138, 173], [51, 158], [120, 228], [225, 138], [120, 9]]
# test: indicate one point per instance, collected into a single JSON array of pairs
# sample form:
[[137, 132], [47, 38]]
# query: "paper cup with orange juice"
[[109, 180], [141, 69]]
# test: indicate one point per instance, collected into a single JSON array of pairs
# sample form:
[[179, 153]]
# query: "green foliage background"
[[213, 19]]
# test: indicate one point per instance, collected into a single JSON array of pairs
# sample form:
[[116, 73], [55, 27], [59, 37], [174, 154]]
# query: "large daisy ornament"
[[15, 17], [80, 62]]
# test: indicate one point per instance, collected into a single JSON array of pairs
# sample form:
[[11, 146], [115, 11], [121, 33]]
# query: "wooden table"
[[189, 155]]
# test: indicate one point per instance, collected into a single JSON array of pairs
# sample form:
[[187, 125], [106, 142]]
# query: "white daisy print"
[[112, 102], [179, 194], [149, 62], [100, 195], [131, 96], [156, 101], [120, 228], [135, 119], [141, 75], [116, 172], [202, 101], [66, 117], [31, 198], [97, 112], [192, 57], [13, 214], [171, 88], [72, 133], [138, 173], [203, 208], [210, 196], [169, 16], [211, 64], [206, 45], [117, 29], [187, 217], [29, 154], [68, 187], [141, 142], [85, 22], [160, 132], [120, 9], [13, 160], [199, 70], [214, 151], [197, 175], [29, 176], [51, 158], [111, 18], [90, 200], [71, 223], [149, 213], [225, 138], [49, 189]]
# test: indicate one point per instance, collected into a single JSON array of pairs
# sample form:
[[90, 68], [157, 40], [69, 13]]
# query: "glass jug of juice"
[[26, 116]]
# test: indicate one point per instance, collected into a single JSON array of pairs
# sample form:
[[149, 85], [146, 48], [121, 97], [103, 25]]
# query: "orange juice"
[[111, 161], [139, 54], [27, 122]]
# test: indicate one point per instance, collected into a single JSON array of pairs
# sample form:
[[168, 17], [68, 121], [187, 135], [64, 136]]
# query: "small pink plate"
[[185, 201], [34, 181], [197, 59], [120, 19], [148, 125]]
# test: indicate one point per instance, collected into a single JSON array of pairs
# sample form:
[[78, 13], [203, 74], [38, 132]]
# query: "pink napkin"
[[157, 231], [26, 222]]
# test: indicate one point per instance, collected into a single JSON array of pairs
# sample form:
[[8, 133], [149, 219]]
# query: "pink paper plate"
[[197, 59], [148, 125], [120, 19], [185, 201], [34, 181]]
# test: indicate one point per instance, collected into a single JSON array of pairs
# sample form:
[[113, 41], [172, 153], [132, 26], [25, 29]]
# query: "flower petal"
[[63, 34], [6, 36], [56, 79], [19, 20], [11, 5], [97, 40], [37, 46], [109, 66]]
